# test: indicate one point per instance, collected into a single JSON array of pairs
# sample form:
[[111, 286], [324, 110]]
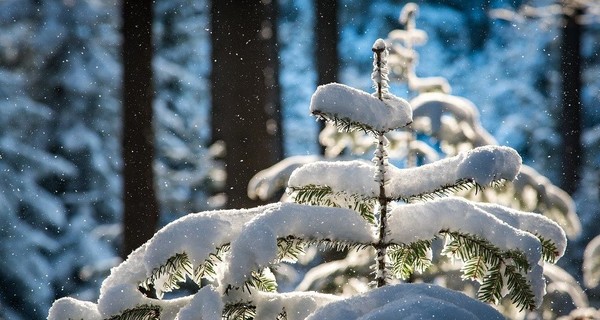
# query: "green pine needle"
[[549, 249], [207, 269], [178, 267], [520, 290], [474, 268], [239, 311], [345, 124], [262, 281], [491, 287], [289, 249], [446, 190], [407, 258], [324, 196], [143, 312]]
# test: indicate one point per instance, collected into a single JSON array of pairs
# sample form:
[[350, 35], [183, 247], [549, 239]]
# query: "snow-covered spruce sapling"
[[501, 251], [230, 254]]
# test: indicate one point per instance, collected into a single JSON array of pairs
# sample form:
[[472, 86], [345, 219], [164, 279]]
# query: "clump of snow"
[[256, 246], [69, 308], [481, 165], [488, 163], [205, 305], [379, 45], [297, 305], [338, 101], [408, 301]]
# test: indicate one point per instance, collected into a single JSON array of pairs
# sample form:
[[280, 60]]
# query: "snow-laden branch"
[[119, 292], [549, 199], [481, 166], [205, 305], [433, 106], [408, 301], [456, 214], [267, 182], [591, 263], [533, 223], [256, 246], [343, 104], [198, 235]]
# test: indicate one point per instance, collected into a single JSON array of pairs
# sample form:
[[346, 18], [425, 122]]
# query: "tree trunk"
[[570, 69], [141, 208], [245, 91], [327, 36]]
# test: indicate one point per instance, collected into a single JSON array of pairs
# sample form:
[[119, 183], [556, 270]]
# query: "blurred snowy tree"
[[59, 151], [185, 173]]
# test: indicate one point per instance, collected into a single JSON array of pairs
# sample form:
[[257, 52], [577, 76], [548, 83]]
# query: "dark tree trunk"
[[245, 91], [141, 208], [570, 68], [327, 36]]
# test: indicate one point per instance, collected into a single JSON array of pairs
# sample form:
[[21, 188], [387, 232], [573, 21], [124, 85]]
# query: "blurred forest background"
[[118, 117]]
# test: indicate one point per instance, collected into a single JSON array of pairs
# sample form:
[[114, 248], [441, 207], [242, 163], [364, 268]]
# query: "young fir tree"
[[230, 254]]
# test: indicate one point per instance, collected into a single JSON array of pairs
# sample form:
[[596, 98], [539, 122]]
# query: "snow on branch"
[[267, 182], [468, 218], [434, 105], [481, 166], [353, 108], [256, 246], [186, 243], [119, 292], [69, 308], [549, 199], [534, 223], [408, 301]]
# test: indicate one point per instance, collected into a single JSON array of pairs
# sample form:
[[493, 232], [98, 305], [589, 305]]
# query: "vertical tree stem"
[[383, 201], [379, 159]]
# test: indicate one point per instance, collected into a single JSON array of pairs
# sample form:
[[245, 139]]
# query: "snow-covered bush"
[[231, 254]]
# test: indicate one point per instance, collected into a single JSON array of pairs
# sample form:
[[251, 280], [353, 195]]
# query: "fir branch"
[[467, 247], [262, 281], [446, 190], [549, 249], [474, 268], [174, 271], [345, 124], [407, 258], [239, 311], [143, 312], [520, 290], [289, 249], [178, 267], [491, 287], [324, 196], [207, 269], [327, 244], [488, 264], [282, 315]]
